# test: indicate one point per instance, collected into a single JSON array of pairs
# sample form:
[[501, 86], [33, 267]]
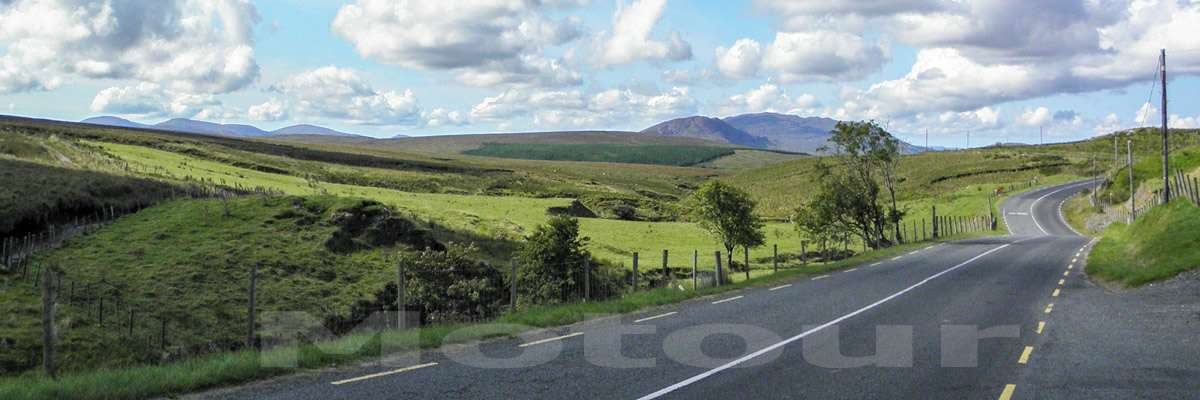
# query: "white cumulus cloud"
[[195, 46], [487, 42], [344, 95], [630, 39]]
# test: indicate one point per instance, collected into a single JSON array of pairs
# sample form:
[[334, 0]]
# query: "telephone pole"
[[1132, 190], [1165, 149], [1041, 135]]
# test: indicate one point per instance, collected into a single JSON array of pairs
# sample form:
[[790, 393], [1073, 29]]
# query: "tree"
[[887, 158], [815, 220], [727, 213], [551, 261], [864, 154]]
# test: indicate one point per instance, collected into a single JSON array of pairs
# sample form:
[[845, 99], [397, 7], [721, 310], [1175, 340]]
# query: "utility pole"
[[1041, 135], [926, 139], [1166, 197], [1132, 191]]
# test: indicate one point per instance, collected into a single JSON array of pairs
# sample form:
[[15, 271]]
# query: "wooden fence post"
[[695, 265], [49, 331], [512, 295], [746, 260], [718, 269], [935, 219], [804, 252], [775, 258], [401, 295], [587, 280], [251, 307], [665, 269], [635, 271]]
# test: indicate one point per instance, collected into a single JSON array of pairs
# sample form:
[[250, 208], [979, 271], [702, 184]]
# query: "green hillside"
[[188, 263], [1158, 245]]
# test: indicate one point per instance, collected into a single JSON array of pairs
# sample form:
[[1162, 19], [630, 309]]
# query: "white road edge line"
[[874, 264], [784, 342], [729, 299], [820, 277], [393, 372], [779, 287], [550, 339], [851, 269], [1032, 206], [656, 317]]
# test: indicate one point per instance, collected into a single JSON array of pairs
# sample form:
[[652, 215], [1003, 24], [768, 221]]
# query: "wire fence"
[[16, 251], [140, 324]]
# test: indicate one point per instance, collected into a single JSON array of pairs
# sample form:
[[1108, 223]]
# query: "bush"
[[450, 285], [551, 265]]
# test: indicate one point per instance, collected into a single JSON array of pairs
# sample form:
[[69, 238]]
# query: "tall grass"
[[1158, 245]]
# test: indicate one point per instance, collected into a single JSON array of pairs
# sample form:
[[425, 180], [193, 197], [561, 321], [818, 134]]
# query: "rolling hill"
[[708, 129], [185, 125], [306, 129], [763, 130], [786, 132]]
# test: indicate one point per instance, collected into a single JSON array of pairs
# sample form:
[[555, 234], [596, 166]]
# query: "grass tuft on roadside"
[[1159, 245]]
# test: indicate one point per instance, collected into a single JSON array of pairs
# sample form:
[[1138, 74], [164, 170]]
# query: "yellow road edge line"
[[550, 339], [1049, 308], [1041, 327], [1025, 355], [1008, 391], [386, 373]]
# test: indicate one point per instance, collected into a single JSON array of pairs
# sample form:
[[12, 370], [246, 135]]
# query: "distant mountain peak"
[[113, 121], [706, 128], [307, 129], [185, 125]]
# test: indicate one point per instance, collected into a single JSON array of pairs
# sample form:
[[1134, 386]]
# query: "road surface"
[[964, 319]]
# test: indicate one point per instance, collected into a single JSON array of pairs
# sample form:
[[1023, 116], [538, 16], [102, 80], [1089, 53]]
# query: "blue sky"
[[382, 68]]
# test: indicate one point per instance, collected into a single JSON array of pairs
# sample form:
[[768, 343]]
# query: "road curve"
[[896, 328]]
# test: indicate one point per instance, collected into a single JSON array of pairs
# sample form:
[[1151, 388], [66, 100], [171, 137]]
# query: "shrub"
[[450, 285], [551, 266]]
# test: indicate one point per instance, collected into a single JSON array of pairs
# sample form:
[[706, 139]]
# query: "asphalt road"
[[955, 320]]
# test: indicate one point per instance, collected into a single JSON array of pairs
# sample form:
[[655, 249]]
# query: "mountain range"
[[211, 128], [762, 130]]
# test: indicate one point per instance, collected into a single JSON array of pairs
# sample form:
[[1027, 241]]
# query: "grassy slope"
[[1159, 245], [500, 218], [187, 261]]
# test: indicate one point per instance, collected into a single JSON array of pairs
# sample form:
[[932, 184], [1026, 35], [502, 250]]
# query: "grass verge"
[[1159, 245]]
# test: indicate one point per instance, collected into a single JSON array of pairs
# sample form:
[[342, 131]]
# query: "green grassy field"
[[188, 262], [1158, 245], [680, 155]]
